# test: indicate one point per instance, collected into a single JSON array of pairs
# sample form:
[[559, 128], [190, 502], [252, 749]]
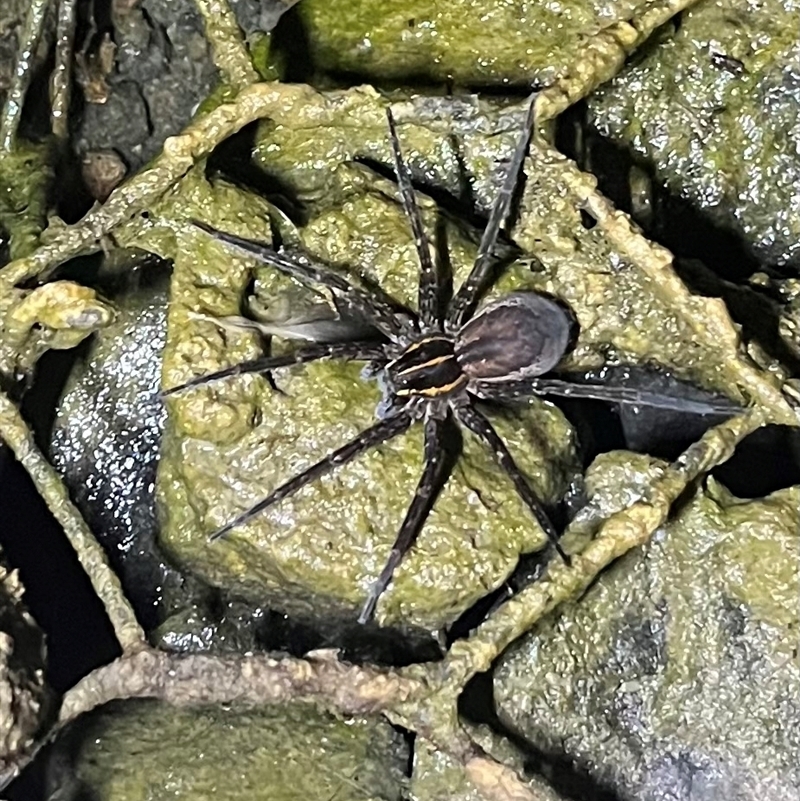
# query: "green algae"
[[714, 110], [438, 777], [625, 317], [652, 660], [139, 751], [25, 175], [227, 444], [472, 43]]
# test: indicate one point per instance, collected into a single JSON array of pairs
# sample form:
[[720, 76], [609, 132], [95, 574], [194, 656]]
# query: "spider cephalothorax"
[[440, 363]]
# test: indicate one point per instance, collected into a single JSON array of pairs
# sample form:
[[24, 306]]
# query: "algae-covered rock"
[[714, 108], [674, 676], [138, 751], [25, 174], [437, 776], [473, 42], [228, 444]]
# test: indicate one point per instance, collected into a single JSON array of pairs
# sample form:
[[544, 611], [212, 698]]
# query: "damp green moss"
[[139, 751], [25, 174]]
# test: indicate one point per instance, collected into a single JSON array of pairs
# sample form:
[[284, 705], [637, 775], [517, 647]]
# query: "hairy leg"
[[359, 351], [513, 390], [469, 292], [434, 477], [382, 431], [428, 303], [300, 267], [485, 432]]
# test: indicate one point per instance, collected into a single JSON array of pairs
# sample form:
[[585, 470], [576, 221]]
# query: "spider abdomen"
[[427, 368], [520, 335]]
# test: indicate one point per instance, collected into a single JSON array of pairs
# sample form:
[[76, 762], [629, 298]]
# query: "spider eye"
[[521, 335]]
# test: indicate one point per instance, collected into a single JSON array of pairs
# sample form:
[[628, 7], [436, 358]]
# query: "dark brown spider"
[[438, 364]]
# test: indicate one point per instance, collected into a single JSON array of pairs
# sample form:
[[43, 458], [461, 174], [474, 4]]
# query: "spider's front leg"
[[372, 308], [468, 293]]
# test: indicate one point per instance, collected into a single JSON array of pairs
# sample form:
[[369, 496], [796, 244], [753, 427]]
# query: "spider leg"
[[485, 432], [359, 351], [626, 395], [434, 476], [300, 267], [428, 303], [470, 290], [382, 431]]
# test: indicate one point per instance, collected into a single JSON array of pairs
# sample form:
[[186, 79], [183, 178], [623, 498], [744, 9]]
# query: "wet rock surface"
[[141, 750], [675, 676], [714, 111], [160, 71], [516, 43], [227, 445], [106, 436]]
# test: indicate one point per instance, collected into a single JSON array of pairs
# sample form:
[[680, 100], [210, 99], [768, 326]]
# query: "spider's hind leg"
[[437, 470], [632, 396], [485, 432]]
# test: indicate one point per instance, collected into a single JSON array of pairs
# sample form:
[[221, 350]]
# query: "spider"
[[440, 363]]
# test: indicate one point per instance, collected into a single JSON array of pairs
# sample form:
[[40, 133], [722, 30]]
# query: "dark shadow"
[[57, 591], [678, 224], [290, 49], [765, 461], [477, 705], [233, 161], [459, 210], [754, 308]]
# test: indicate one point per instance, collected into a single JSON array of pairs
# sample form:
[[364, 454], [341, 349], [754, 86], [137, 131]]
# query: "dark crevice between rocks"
[[57, 591], [290, 49], [664, 216], [754, 308], [357, 644], [477, 706], [232, 160], [764, 462]]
